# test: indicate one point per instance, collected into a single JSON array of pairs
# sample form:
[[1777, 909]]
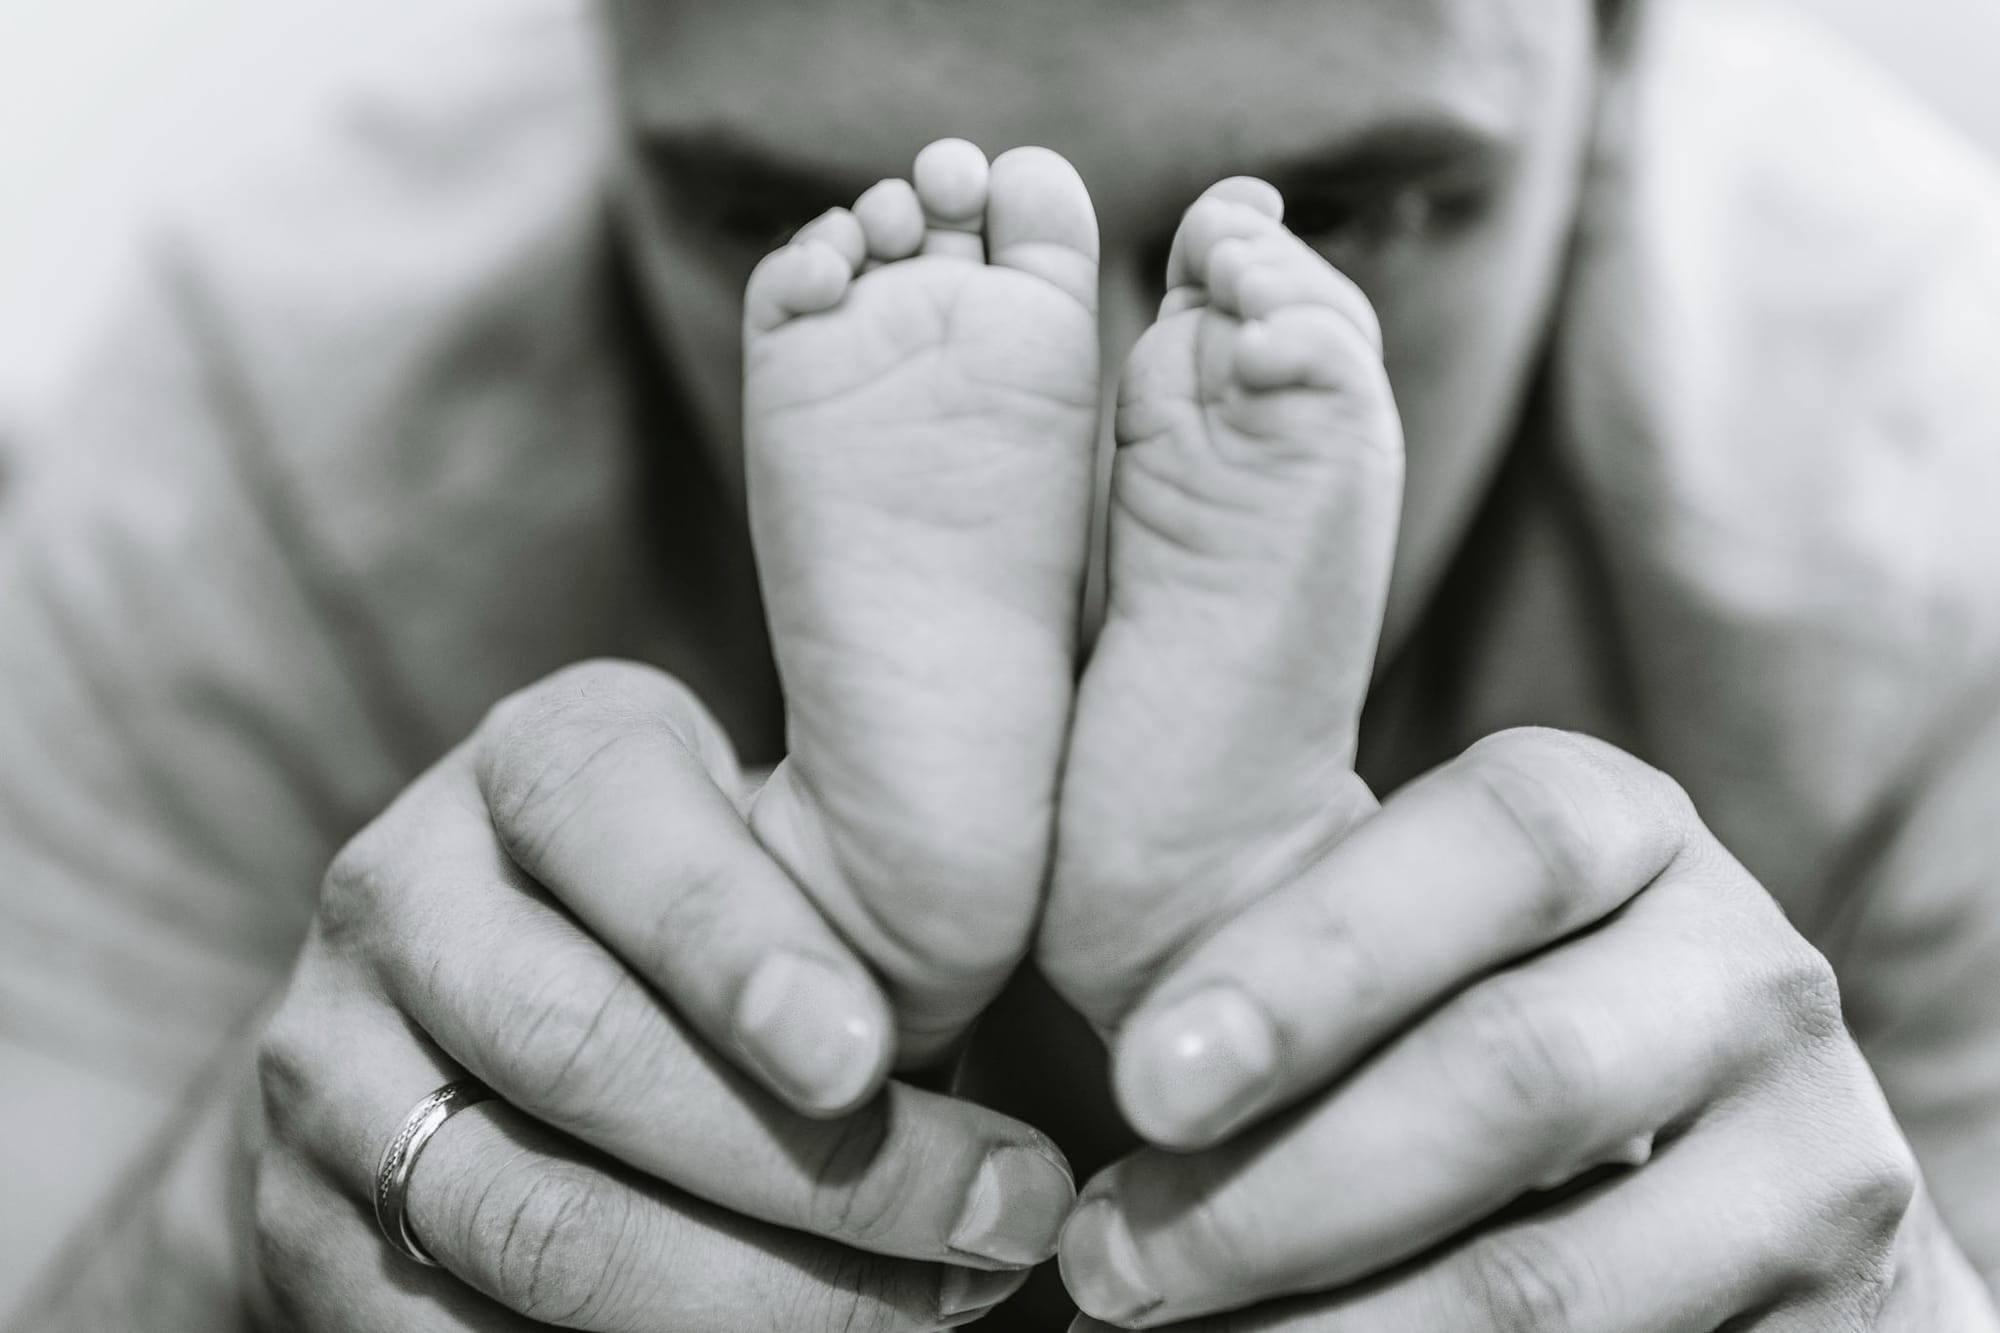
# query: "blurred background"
[[108, 110]]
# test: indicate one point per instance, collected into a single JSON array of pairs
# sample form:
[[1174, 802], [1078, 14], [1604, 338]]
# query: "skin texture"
[[1252, 524], [1139, 880], [1462, 1055], [569, 1200], [921, 414], [1153, 103], [518, 914]]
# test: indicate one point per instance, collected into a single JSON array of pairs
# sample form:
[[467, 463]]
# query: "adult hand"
[[1531, 963], [686, 1131], [1375, 1047]]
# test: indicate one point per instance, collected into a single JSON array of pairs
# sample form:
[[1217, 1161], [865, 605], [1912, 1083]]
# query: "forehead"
[[1161, 88]]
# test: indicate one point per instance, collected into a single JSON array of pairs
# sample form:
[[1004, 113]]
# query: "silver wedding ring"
[[392, 1176]]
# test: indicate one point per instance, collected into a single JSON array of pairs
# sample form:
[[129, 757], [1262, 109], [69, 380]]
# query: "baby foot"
[[921, 414], [1254, 508]]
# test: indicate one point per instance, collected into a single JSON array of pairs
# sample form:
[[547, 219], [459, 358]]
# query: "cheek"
[[1465, 333], [1462, 342]]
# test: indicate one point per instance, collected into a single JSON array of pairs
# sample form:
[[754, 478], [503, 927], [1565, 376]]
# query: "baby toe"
[[1267, 360], [1039, 220], [803, 278], [840, 229], [1181, 299], [952, 180], [1252, 192], [1233, 263], [1256, 281], [1253, 276], [1215, 217], [1312, 399], [892, 221], [1297, 347]]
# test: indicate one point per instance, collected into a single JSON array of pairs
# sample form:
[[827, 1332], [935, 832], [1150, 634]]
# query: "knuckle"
[[844, 1290], [860, 1190], [595, 679], [1524, 1283], [1231, 1232], [1600, 823], [1871, 1286], [1523, 778], [358, 884], [547, 766], [1872, 1200], [283, 1078], [1852, 1259], [1528, 1066], [1807, 992], [1858, 1190], [1232, 1241], [598, 687], [551, 1250], [568, 1044], [535, 786], [1326, 933]]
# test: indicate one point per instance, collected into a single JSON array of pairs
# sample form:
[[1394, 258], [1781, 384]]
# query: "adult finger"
[[324, 1268], [600, 787], [530, 1229], [560, 1234], [1527, 838], [1685, 1243], [1519, 1084], [510, 988]]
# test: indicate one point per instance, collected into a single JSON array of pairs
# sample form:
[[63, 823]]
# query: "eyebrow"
[[1407, 149]]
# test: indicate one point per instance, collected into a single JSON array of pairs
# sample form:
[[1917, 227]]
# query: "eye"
[[1353, 225], [1368, 229]]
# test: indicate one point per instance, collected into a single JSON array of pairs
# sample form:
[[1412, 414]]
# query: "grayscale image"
[[870, 666]]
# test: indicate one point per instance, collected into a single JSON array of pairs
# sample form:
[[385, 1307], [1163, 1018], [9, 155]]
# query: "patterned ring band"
[[392, 1176]]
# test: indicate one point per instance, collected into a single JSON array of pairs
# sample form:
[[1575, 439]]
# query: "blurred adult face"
[[1431, 149]]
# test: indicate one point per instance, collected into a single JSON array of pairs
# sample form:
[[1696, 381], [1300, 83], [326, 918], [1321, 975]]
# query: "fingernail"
[[963, 1291], [1101, 1266], [1014, 1211], [1190, 1073], [810, 1030]]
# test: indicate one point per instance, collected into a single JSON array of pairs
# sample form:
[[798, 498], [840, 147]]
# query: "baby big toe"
[[1239, 208], [1040, 221]]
